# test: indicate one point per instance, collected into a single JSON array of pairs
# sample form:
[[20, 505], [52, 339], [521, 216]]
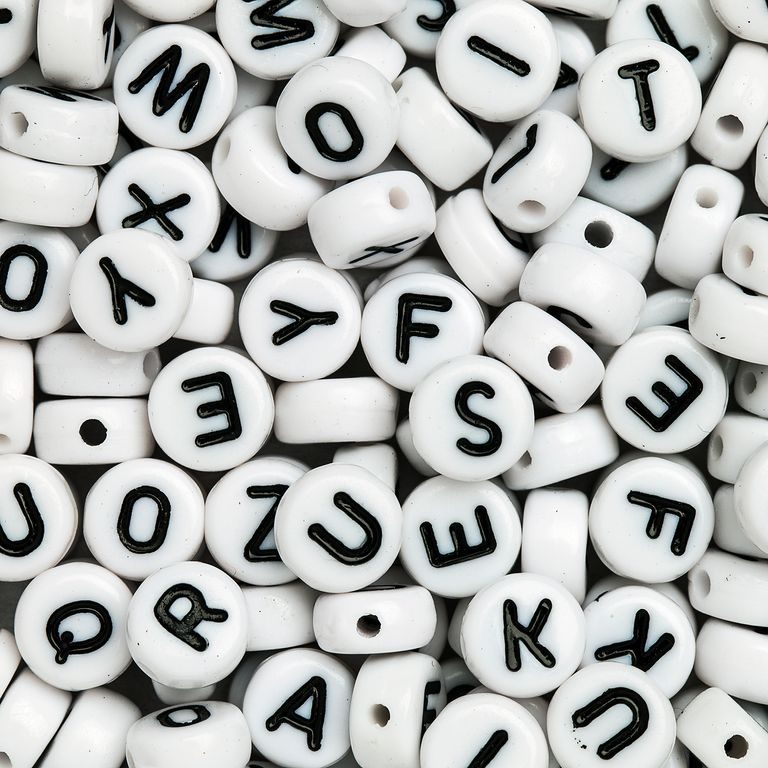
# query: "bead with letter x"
[[390, 250], [157, 211]]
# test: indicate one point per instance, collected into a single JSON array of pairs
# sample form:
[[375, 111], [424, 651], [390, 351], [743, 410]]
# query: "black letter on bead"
[[230, 217], [6, 16], [462, 552], [613, 169], [676, 404], [568, 76], [36, 287], [389, 250], [194, 83], [515, 633], [162, 519], [302, 320], [157, 211], [106, 30], [226, 405], [312, 123], [613, 697], [530, 143], [407, 329], [289, 30], [316, 689], [640, 73], [61, 94], [200, 712], [184, 629], [34, 521], [121, 288], [64, 643], [499, 56], [493, 443], [253, 551], [665, 34], [436, 25], [490, 749], [338, 549], [429, 714], [641, 657], [660, 508]]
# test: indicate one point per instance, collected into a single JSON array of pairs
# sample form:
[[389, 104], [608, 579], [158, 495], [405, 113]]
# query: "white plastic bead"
[[747, 20], [16, 396], [667, 307], [590, 9], [749, 388], [732, 442], [744, 259], [210, 314], [380, 459], [171, 10], [729, 533], [373, 12], [375, 47], [17, 34]]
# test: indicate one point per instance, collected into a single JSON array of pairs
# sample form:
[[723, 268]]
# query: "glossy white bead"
[[747, 20], [170, 696], [9, 659], [380, 459], [17, 34], [667, 307], [375, 47], [419, 26], [374, 12], [404, 437], [749, 388], [171, 10], [732, 442], [744, 259], [279, 616], [747, 493], [16, 396], [210, 314], [590, 9], [729, 533]]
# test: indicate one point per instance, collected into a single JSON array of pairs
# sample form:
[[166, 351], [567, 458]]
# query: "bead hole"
[[736, 747], [701, 582], [706, 198], [380, 715], [93, 432], [19, 123], [599, 234], [368, 626], [746, 255], [730, 126], [532, 208], [749, 385], [5, 761], [717, 447], [398, 198], [525, 461], [559, 358], [151, 365]]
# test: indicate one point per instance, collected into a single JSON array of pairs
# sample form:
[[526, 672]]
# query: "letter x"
[[375, 250], [515, 633], [157, 211]]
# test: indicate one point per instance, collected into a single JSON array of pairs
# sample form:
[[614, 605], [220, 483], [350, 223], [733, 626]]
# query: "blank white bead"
[[563, 446], [747, 497], [736, 109], [171, 10], [210, 314], [279, 616], [373, 12], [745, 260], [667, 307], [16, 396], [747, 20], [357, 410], [705, 204], [17, 35], [732, 442], [9, 659], [750, 388], [379, 459], [498, 59], [375, 47], [729, 533], [517, 189], [404, 437]]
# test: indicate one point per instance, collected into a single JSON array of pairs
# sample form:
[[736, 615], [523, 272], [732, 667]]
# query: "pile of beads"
[[286, 481]]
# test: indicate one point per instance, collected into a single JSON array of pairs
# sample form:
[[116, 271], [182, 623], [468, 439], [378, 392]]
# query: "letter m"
[[193, 85]]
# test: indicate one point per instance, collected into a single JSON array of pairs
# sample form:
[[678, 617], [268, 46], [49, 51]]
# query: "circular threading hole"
[[701, 582], [730, 126], [717, 447], [93, 432], [368, 625], [380, 715], [559, 358], [524, 461], [748, 384], [532, 208], [746, 256], [18, 123], [736, 747], [706, 198], [5, 761], [398, 198], [599, 234], [693, 312]]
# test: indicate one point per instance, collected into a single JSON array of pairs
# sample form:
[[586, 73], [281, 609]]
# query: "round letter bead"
[[33, 192], [395, 700], [555, 534], [94, 732], [375, 620], [275, 40], [518, 190], [689, 26], [419, 26], [367, 221], [498, 59], [338, 528], [562, 369], [663, 391], [593, 296], [92, 430], [413, 323], [16, 396], [484, 726], [747, 20], [162, 191], [240, 518], [639, 100], [357, 14], [187, 625], [523, 611], [75, 41], [58, 125], [640, 627], [748, 497], [358, 410], [338, 118], [705, 204], [472, 418], [170, 10], [41, 518], [563, 446], [142, 515], [745, 258], [297, 708], [736, 110], [256, 176], [130, 291], [732, 442], [206, 734], [440, 519], [729, 533], [70, 626], [610, 713], [485, 256], [651, 519], [299, 320], [449, 158], [279, 616], [730, 319], [211, 383], [192, 98], [17, 34]]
